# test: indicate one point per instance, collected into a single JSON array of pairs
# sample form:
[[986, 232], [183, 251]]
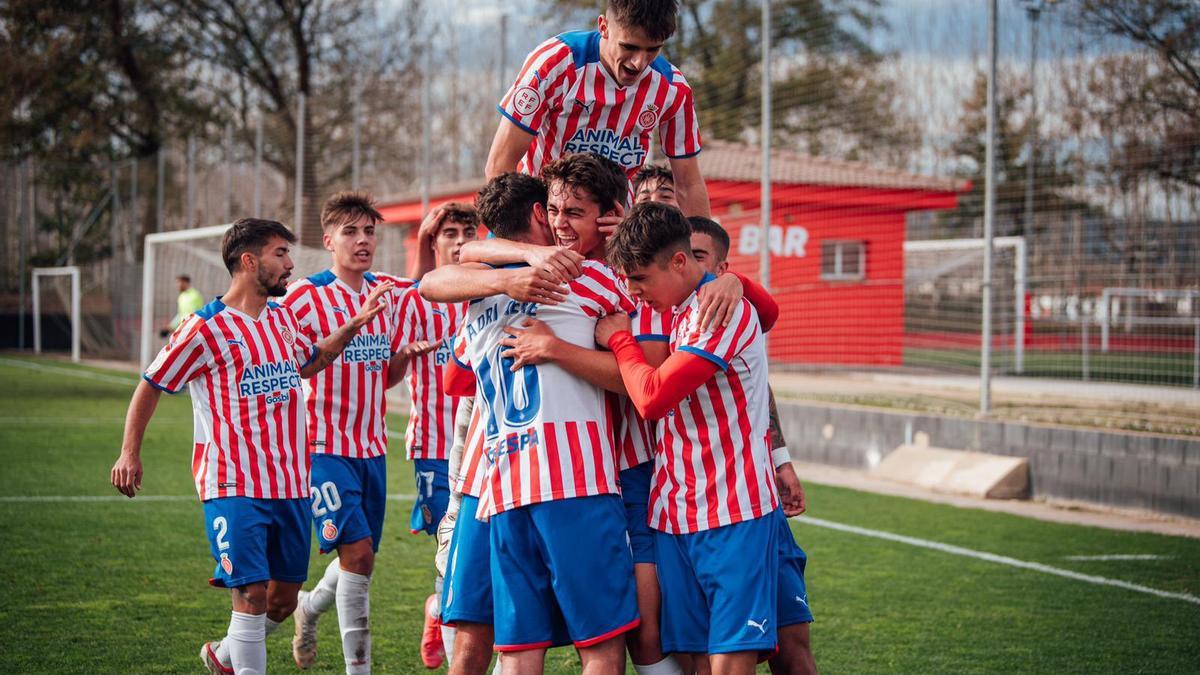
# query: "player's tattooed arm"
[[126, 474], [777, 439], [329, 349]]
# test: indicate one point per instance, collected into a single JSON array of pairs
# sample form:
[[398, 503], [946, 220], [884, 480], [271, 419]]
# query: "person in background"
[[188, 302]]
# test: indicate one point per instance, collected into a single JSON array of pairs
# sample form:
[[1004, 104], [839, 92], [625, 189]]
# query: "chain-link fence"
[[877, 170]]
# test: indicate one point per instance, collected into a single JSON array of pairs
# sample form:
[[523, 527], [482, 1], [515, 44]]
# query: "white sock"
[[324, 594], [354, 610], [247, 640], [448, 634], [222, 649], [667, 666], [496, 670]]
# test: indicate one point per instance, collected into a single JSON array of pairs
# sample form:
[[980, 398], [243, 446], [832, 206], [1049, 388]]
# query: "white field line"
[[143, 498], [73, 372], [991, 557], [1119, 556]]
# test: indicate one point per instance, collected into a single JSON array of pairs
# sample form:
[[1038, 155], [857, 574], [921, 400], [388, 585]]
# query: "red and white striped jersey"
[[474, 468], [714, 465], [243, 374], [636, 437], [431, 422], [548, 434], [566, 97], [345, 402]]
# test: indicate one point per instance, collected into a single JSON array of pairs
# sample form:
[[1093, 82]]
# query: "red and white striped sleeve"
[[679, 128], [184, 358], [721, 344], [600, 292], [409, 327], [299, 299], [539, 85], [650, 325]]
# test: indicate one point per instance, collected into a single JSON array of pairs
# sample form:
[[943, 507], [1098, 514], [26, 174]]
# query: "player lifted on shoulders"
[[607, 92], [431, 422], [242, 358], [713, 491]]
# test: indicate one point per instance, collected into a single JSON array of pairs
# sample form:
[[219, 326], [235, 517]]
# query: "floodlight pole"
[[258, 153], [298, 212], [989, 216], [764, 244]]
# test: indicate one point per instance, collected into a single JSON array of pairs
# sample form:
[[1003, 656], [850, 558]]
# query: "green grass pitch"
[[120, 586]]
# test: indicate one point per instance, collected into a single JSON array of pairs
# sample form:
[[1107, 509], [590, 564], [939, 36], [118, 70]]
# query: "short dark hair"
[[713, 229], [348, 206], [461, 213], [655, 17], [603, 178], [250, 234], [184, 277], [506, 202], [655, 172], [650, 230]]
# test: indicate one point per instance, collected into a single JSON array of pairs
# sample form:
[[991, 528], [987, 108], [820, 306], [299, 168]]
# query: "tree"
[[264, 55], [1169, 93]]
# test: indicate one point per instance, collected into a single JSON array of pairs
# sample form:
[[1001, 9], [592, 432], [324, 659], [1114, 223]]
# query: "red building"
[[837, 245]]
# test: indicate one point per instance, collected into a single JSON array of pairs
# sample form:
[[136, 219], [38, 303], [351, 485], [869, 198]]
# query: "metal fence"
[[877, 186]]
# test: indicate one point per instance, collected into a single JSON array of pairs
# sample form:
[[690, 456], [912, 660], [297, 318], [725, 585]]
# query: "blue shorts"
[[635, 493], [255, 540], [349, 497], [563, 563], [719, 588], [467, 591], [433, 495], [793, 594]]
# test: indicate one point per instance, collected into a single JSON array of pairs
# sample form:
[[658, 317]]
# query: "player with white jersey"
[[605, 92], [431, 419], [582, 190], [552, 463], [347, 431], [713, 490], [242, 358]]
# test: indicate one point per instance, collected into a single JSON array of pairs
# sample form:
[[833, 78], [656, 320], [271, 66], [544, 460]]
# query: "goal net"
[[197, 253], [943, 303]]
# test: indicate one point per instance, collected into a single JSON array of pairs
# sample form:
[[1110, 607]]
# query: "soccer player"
[[710, 248], [431, 422], [552, 466], [242, 358], [583, 189], [713, 494], [654, 183], [513, 206], [347, 432], [606, 92]]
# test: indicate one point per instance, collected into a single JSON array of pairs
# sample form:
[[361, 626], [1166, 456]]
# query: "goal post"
[[1017, 244], [150, 262], [76, 324]]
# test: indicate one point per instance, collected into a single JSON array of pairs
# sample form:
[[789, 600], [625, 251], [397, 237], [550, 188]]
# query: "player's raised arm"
[[126, 474], [508, 146], [326, 351], [690, 190]]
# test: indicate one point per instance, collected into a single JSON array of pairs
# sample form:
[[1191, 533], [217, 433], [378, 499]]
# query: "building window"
[[843, 260]]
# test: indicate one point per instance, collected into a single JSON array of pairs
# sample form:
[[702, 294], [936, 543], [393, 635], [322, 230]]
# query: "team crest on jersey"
[[287, 335], [329, 531], [526, 100], [649, 116], [226, 564]]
